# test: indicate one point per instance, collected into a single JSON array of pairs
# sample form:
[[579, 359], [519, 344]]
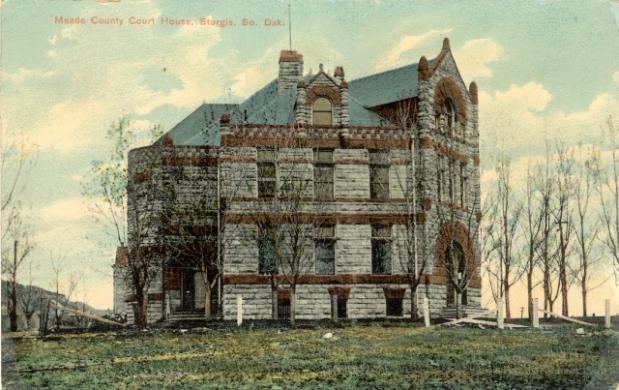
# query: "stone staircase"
[[449, 312], [184, 320]]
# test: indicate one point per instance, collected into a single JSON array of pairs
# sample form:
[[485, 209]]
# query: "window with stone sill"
[[323, 174], [324, 249], [322, 112], [381, 249], [379, 174], [266, 163]]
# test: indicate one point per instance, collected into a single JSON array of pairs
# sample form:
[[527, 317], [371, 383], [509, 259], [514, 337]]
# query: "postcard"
[[323, 194]]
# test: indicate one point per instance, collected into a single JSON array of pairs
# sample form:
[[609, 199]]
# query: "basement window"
[[283, 304], [342, 307], [394, 307]]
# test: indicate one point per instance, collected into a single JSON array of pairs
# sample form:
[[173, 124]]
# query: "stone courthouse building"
[[334, 157]]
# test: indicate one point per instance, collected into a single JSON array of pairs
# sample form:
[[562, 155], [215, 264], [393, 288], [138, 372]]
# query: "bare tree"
[[546, 186], [608, 192], [148, 193], [15, 246], [29, 298], [62, 290], [199, 235], [587, 228], [12, 261], [459, 272], [404, 116], [285, 229], [531, 230], [505, 216], [563, 215], [106, 185]]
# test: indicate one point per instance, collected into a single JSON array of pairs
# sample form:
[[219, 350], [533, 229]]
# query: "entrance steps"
[[184, 319], [449, 312]]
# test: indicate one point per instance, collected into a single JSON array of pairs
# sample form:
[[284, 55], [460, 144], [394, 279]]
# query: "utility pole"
[[289, 28]]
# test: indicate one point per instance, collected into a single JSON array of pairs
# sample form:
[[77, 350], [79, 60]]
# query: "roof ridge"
[[387, 71]]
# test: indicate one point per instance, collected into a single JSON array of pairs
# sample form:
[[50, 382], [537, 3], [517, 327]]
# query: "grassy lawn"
[[357, 357]]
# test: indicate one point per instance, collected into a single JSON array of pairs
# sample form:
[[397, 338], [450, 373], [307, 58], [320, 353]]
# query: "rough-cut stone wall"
[[295, 169], [314, 302], [352, 174], [238, 172], [191, 173], [435, 143], [240, 249], [353, 250]]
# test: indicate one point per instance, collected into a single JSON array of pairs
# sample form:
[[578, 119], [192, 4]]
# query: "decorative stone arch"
[[456, 231], [324, 91], [446, 88]]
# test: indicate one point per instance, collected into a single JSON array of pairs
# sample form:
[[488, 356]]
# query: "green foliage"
[[357, 357]]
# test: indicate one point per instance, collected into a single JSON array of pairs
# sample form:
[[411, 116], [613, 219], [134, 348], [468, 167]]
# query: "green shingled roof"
[[201, 127], [386, 87], [266, 106]]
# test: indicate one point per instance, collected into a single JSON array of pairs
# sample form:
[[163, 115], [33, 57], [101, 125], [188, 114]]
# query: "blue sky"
[[545, 69]]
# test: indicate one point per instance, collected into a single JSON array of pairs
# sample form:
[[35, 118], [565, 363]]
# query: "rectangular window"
[[283, 304], [266, 252], [451, 176], [323, 174], [381, 249], [325, 249], [394, 307], [379, 174], [267, 173], [462, 184]]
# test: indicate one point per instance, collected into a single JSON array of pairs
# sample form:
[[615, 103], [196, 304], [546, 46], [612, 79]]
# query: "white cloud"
[[256, 74], [516, 120], [22, 74], [69, 125], [63, 210], [474, 57], [400, 53], [616, 77]]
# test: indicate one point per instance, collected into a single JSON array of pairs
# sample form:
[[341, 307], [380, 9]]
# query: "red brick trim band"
[[340, 292], [349, 219], [339, 143], [346, 279]]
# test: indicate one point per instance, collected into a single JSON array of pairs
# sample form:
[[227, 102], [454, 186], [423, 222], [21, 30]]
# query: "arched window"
[[322, 112], [450, 112]]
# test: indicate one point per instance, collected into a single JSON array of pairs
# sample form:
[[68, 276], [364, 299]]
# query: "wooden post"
[[607, 314], [535, 314], [334, 307], [426, 312], [499, 314], [239, 309]]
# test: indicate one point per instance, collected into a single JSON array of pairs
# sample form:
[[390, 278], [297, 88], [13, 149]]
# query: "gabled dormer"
[[323, 101]]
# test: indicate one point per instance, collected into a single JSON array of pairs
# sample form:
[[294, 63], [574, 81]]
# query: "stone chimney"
[[338, 74], [290, 70]]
